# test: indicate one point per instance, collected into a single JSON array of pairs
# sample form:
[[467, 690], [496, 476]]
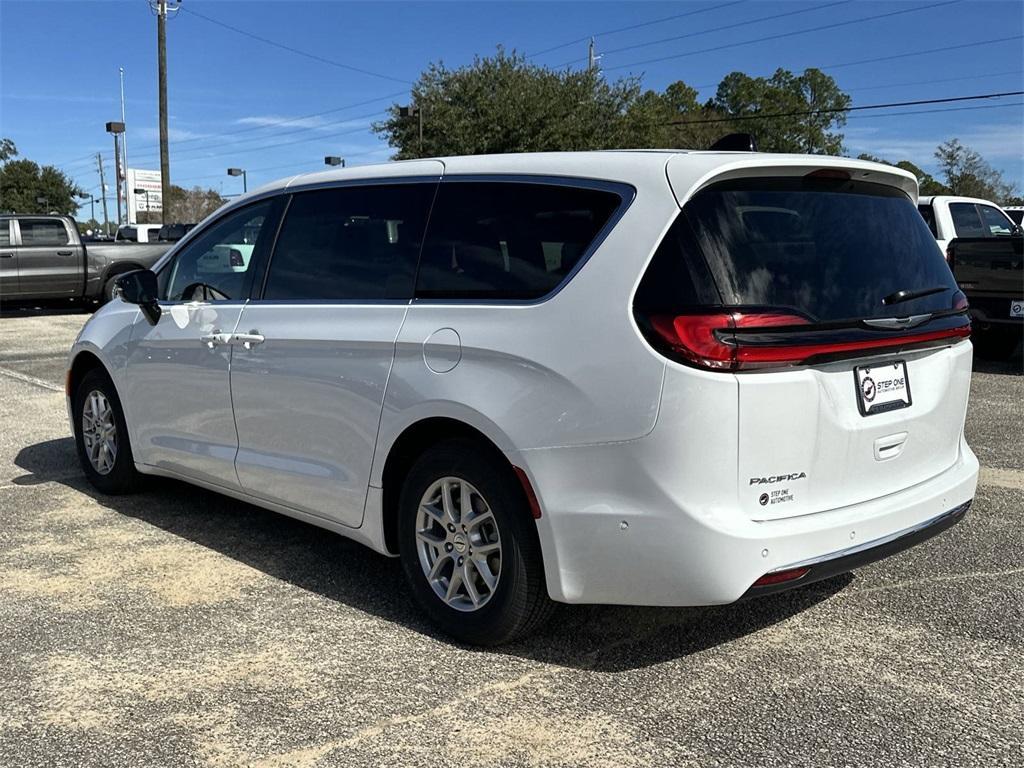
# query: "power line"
[[297, 51], [934, 111], [748, 22], [932, 82], [807, 112], [607, 32], [792, 33], [236, 145]]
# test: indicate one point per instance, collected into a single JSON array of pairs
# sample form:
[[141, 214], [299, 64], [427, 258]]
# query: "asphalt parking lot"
[[179, 627]]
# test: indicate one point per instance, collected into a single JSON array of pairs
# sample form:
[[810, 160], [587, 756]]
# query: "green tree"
[[190, 206], [673, 119], [7, 150], [23, 183], [968, 173], [506, 104], [785, 99]]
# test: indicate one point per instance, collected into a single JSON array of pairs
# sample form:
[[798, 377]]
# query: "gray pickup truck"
[[43, 257]]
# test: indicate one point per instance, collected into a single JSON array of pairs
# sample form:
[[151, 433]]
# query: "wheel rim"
[[459, 544], [99, 432]]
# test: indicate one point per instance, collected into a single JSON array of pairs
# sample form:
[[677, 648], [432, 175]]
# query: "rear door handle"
[[247, 340], [64, 253], [215, 339], [6, 255]]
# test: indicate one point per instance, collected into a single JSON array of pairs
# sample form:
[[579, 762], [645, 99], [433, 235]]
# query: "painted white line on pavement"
[[30, 380], [1002, 478]]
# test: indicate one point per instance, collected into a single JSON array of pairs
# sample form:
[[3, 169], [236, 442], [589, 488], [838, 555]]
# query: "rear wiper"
[[900, 296]]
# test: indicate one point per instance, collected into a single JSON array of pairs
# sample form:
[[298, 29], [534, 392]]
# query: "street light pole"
[[240, 172], [124, 140], [117, 128]]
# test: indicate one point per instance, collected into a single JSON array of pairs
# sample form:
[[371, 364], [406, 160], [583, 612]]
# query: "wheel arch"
[[411, 443]]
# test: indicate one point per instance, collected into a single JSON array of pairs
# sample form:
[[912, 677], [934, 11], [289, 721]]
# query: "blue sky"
[[236, 101]]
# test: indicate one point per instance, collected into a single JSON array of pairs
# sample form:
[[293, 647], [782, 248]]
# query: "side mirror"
[[140, 287]]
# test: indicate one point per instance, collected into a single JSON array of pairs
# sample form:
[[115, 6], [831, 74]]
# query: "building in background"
[[144, 195]]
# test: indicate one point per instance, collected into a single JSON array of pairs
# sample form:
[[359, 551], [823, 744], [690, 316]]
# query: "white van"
[[660, 378]]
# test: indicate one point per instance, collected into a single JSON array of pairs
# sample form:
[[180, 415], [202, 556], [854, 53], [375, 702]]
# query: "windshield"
[[828, 249]]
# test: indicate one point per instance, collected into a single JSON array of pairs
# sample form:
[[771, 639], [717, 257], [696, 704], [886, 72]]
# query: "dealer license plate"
[[882, 388]]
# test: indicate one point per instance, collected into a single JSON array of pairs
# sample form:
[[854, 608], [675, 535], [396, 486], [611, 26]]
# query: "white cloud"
[[315, 123], [173, 134], [996, 142]]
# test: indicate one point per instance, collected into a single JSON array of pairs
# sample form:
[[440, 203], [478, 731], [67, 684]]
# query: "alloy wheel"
[[458, 543], [99, 432]]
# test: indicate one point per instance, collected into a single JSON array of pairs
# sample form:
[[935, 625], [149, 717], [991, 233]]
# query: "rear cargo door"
[[852, 379]]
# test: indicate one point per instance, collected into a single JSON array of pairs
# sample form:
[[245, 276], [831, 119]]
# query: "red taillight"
[[829, 173], [698, 338], [711, 340], [780, 577]]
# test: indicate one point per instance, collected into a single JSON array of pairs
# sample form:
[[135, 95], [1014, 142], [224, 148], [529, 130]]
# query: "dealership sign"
[[144, 193]]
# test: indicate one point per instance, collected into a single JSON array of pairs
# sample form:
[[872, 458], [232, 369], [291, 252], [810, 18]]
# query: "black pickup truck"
[[990, 271], [43, 257]]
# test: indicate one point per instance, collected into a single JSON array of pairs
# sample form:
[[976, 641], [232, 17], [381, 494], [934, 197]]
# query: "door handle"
[[64, 253], [215, 339], [247, 340], [6, 255]]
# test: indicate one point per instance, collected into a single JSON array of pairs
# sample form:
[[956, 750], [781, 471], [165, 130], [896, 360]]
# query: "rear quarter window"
[[509, 240]]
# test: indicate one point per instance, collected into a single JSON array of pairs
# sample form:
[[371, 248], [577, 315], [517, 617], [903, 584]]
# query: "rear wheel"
[[101, 435], [469, 547]]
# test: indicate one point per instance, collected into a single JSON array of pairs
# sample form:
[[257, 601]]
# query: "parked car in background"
[[983, 248], [44, 257], [137, 233], [657, 378], [172, 233], [1016, 213]]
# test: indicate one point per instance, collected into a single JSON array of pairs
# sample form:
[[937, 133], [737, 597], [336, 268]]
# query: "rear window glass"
[[508, 240], [42, 232], [1017, 215], [994, 222], [827, 249]]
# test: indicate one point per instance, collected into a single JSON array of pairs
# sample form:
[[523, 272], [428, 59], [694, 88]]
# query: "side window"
[[966, 220], [508, 240], [218, 265], [929, 217], [5, 233], [41, 232], [995, 223], [350, 243]]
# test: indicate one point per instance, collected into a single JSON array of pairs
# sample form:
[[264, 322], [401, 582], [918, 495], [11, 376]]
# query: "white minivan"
[[638, 377]]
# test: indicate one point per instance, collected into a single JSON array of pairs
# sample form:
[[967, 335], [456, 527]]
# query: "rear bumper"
[[610, 533], [827, 566]]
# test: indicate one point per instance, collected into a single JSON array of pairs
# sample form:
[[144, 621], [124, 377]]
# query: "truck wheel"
[[108, 289]]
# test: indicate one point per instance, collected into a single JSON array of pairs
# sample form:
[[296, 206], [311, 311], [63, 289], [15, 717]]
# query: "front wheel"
[[101, 435], [469, 547]]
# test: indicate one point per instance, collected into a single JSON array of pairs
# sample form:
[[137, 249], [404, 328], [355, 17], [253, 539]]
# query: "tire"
[[996, 343], [108, 289], [518, 603], [121, 475]]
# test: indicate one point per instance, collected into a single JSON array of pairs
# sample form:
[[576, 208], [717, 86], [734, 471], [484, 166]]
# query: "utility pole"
[[103, 194], [161, 10]]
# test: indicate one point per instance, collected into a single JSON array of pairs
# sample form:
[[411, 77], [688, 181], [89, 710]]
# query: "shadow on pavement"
[[45, 309], [601, 638]]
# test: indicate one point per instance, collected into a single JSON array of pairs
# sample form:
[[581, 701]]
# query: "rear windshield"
[[828, 249]]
